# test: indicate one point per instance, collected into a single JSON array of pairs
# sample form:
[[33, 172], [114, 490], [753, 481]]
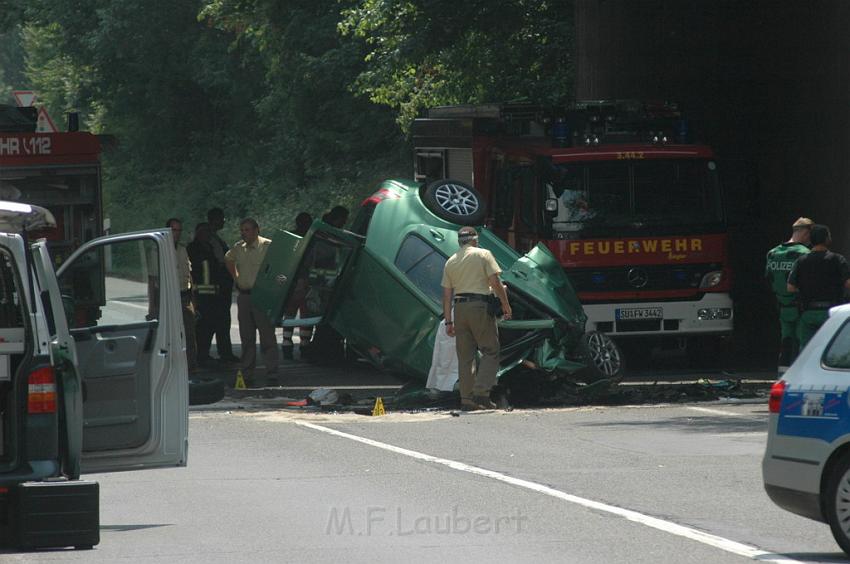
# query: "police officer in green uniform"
[[780, 259], [819, 278]]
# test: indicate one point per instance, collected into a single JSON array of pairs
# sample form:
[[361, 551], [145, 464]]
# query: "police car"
[[806, 465]]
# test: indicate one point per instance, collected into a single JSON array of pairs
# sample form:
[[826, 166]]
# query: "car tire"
[[204, 391], [454, 201], [837, 502], [605, 360]]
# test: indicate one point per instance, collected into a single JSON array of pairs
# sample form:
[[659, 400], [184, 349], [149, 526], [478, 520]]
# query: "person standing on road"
[[184, 281], [224, 282], [469, 278], [303, 221], [243, 262], [819, 279], [780, 259], [298, 303], [337, 217], [202, 257]]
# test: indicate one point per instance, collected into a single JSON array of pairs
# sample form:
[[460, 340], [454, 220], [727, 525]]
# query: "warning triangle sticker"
[[44, 123]]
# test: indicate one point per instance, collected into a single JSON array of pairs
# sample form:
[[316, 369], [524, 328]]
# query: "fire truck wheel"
[[605, 360], [454, 201], [203, 391]]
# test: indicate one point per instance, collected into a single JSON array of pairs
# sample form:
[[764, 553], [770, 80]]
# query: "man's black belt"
[[820, 305], [241, 291], [460, 298]]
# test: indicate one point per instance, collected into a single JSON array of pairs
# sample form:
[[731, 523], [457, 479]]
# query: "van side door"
[[123, 306]]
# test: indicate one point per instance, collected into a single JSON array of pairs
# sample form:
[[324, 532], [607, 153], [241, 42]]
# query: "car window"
[[423, 265], [11, 315], [837, 354], [317, 276], [114, 285]]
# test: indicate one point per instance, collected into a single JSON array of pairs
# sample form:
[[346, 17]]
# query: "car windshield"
[[594, 199]]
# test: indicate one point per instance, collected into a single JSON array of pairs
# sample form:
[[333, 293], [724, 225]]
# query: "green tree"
[[432, 52]]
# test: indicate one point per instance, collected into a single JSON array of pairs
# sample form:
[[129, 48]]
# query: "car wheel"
[[604, 358], [837, 502], [203, 391], [454, 201]]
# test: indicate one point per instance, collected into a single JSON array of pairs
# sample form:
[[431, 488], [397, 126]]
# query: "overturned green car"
[[378, 286]]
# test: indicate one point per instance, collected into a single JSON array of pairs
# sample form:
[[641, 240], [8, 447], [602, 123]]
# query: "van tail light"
[[41, 397], [776, 393]]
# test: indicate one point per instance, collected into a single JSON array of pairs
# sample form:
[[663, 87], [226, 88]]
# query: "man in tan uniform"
[[470, 275], [244, 261], [184, 280]]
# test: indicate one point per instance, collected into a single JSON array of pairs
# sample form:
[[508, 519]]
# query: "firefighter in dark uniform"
[[780, 259], [819, 278]]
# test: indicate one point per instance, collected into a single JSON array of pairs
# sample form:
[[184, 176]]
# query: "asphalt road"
[[645, 484]]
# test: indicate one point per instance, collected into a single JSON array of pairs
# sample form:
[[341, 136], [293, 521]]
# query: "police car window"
[[423, 265], [837, 354]]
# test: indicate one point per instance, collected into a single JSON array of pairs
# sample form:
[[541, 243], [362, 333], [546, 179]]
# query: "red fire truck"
[[616, 190], [60, 171]]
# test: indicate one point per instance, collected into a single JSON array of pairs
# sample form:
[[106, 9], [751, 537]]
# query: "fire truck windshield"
[[633, 196]]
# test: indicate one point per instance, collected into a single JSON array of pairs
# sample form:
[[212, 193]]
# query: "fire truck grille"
[[639, 277]]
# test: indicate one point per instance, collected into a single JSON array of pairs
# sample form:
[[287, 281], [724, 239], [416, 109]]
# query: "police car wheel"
[[454, 201], [605, 360], [837, 502]]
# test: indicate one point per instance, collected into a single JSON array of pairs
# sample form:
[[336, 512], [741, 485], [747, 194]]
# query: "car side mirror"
[[551, 207]]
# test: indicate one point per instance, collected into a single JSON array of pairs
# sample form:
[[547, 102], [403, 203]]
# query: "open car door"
[[300, 275], [122, 301]]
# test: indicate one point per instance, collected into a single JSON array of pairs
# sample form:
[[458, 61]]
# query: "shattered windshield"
[[634, 195]]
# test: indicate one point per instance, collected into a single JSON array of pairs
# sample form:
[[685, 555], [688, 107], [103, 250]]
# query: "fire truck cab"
[[60, 172], [616, 190]]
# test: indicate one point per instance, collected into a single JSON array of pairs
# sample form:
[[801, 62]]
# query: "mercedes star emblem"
[[637, 277]]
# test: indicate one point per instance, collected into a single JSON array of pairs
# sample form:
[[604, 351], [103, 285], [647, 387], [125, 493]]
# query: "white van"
[[84, 388]]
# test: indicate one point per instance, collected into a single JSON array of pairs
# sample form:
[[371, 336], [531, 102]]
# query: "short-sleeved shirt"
[[819, 276], [468, 271], [780, 260], [248, 259]]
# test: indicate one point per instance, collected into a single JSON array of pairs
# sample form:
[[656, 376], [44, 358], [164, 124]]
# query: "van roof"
[[16, 217]]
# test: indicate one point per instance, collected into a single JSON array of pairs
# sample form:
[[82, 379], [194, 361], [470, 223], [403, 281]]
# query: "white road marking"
[[725, 544], [719, 412], [137, 306]]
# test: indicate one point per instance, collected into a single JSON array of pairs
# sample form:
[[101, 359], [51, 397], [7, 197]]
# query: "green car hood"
[[538, 275]]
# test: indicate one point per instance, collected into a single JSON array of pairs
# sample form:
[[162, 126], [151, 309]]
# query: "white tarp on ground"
[[443, 374]]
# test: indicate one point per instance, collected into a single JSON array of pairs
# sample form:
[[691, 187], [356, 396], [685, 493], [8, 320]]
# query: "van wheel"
[[837, 502], [454, 201], [604, 358], [203, 391]]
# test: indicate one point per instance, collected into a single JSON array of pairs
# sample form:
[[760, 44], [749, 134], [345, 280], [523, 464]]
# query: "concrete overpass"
[[767, 83]]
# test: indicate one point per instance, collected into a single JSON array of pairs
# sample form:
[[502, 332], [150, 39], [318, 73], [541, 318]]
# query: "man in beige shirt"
[[184, 280], [469, 277], [244, 261]]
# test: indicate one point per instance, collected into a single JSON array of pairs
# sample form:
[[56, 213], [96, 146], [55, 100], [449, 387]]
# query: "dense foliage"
[[266, 107]]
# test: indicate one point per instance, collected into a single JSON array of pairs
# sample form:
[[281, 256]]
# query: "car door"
[[303, 274], [64, 356], [123, 307]]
